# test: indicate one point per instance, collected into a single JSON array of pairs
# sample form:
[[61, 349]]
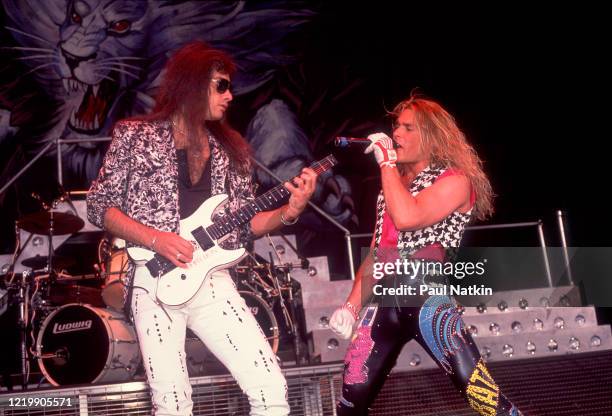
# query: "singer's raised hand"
[[382, 146]]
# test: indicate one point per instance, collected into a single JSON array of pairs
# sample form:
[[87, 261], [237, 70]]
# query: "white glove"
[[341, 322], [382, 146]]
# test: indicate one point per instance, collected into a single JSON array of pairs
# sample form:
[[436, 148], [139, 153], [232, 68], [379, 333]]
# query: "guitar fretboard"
[[269, 200]]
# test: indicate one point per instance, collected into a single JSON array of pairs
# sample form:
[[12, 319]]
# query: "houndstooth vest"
[[447, 232]]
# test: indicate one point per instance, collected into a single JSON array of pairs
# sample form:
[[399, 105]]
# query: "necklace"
[[177, 129]]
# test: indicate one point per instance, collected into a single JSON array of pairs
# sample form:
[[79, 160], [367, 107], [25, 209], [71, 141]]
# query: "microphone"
[[351, 141]]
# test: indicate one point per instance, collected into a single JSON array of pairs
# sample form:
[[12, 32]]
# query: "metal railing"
[[58, 142], [542, 240]]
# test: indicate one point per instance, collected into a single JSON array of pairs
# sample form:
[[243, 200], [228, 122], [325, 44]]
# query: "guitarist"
[[159, 169]]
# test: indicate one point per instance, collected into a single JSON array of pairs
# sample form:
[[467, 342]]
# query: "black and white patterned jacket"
[[447, 232], [139, 176]]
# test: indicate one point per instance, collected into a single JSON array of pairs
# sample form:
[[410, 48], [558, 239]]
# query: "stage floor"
[[563, 385]]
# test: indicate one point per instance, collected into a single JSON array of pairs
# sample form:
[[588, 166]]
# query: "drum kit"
[[75, 328]]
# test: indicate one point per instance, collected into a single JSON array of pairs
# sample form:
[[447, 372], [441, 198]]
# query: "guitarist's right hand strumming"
[[167, 244], [173, 247]]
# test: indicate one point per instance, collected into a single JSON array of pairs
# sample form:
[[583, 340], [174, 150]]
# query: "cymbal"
[[39, 222], [39, 262]]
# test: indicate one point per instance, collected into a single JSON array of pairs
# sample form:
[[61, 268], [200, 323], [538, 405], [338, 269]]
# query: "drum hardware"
[[50, 223], [292, 308], [274, 282], [58, 354], [34, 291], [251, 267], [78, 329], [39, 263], [304, 262], [22, 324], [287, 315]]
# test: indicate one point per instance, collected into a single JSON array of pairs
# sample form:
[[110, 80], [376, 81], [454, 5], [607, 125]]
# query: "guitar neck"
[[269, 200]]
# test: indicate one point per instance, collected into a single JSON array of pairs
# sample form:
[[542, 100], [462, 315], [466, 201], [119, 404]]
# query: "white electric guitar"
[[175, 285]]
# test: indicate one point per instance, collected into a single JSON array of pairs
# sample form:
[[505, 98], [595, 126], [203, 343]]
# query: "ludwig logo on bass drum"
[[71, 326]]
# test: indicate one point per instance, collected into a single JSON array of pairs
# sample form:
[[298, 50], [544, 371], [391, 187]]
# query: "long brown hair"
[[449, 148], [184, 91]]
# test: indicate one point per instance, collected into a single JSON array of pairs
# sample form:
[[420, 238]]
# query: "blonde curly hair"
[[448, 147]]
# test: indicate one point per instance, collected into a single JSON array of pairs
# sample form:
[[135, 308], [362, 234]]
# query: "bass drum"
[[80, 344], [199, 358]]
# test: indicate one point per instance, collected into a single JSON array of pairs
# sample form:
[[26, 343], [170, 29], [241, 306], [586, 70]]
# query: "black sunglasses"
[[222, 84]]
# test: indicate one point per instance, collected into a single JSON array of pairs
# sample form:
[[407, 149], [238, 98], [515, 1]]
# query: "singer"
[[159, 169], [432, 186]]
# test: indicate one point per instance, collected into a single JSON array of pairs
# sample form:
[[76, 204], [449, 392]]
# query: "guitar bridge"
[[159, 266]]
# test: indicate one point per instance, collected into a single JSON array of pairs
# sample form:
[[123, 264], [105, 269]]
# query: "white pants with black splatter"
[[219, 317]]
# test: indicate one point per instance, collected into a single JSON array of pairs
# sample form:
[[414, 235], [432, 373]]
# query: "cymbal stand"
[[54, 205], [258, 284], [300, 352], [16, 253], [290, 314], [304, 263], [49, 208], [50, 258], [22, 323]]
